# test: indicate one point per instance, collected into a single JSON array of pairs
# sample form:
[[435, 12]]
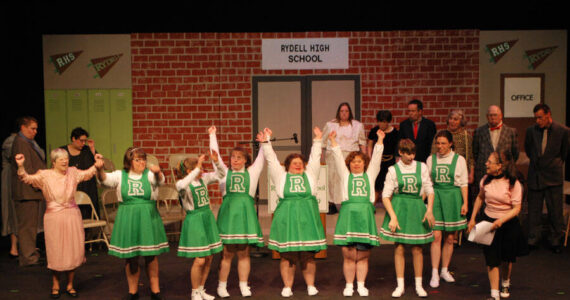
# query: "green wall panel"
[[77, 110], [122, 124], [99, 120], [56, 120]]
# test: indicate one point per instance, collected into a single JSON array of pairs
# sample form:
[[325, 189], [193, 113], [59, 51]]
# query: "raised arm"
[[273, 165], [337, 156], [185, 182], [376, 159], [35, 179], [314, 164]]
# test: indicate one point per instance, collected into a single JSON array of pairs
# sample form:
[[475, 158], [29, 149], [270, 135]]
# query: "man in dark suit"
[[418, 129], [546, 144], [26, 198]]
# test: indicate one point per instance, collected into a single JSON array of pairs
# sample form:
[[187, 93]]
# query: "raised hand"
[[214, 156], [260, 137], [318, 133], [268, 132], [332, 138], [99, 163], [154, 168], [19, 158], [381, 135], [212, 130]]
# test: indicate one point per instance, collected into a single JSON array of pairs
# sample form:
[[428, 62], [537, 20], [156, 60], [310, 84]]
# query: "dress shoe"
[[55, 294], [72, 292]]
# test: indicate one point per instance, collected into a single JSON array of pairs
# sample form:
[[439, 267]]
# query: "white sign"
[[521, 95], [301, 54], [321, 192]]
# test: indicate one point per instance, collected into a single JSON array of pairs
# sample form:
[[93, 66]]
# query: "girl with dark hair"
[[356, 226], [383, 119], [199, 238], [448, 172], [237, 219], [350, 137], [407, 219], [502, 193], [138, 229], [297, 232]]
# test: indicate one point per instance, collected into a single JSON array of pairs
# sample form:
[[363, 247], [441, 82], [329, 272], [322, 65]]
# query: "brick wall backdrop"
[[185, 82]]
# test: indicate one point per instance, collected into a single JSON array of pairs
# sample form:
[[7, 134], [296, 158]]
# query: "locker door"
[[77, 111], [121, 113], [56, 120], [99, 120]]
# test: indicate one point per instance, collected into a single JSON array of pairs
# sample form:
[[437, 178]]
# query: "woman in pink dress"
[[63, 226]]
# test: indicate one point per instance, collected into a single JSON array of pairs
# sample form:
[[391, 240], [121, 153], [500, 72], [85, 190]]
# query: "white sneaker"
[[223, 292], [196, 295], [348, 292], [245, 291], [398, 292], [206, 296], [362, 291], [312, 290], [421, 292], [434, 282], [447, 277], [286, 292]]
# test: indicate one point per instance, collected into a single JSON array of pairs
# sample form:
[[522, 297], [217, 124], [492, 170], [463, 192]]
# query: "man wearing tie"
[[491, 137], [546, 145], [418, 129]]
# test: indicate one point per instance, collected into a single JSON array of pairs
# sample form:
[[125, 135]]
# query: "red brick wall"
[[185, 82]]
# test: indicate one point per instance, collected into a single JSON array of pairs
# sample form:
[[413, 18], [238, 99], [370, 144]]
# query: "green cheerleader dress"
[[410, 210], [296, 222], [237, 219], [356, 222], [138, 229], [448, 199], [199, 236]]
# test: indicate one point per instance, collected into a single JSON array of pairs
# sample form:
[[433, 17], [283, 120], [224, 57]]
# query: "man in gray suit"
[[546, 145], [26, 198], [491, 137]]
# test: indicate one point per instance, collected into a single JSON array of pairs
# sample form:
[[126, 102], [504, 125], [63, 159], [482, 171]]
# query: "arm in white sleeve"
[[314, 164], [214, 146], [390, 184], [215, 176], [461, 174], [185, 182], [112, 179], [375, 163], [429, 163], [427, 186], [274, 167], [255, 171]]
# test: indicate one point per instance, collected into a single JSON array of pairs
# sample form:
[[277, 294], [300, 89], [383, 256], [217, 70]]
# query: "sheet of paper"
[[482, 234]]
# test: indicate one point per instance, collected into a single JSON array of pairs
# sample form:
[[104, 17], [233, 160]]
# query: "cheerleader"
[[237, 218], [297, 232], [407, 220], [199, 238], [449, 175], [356, 226], [138, 229]]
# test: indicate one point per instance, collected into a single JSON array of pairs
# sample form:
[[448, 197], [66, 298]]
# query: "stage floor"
[[540, 275]]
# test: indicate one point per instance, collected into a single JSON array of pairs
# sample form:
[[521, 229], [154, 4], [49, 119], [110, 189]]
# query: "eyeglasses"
[[139, 160]]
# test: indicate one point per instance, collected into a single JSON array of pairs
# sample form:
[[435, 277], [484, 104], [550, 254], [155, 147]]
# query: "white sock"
[[360, 284], [495, 294], [201, 288], [243, 284], [349, 286], [434, 273], [444, 270], [222, 284], [418, 282], [507, 283], [400, 282]]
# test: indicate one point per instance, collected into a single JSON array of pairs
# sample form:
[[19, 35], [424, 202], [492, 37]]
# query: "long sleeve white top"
[[278, 174], [372, 171], [113, 180], [460, 178], [349, 138], [391, 183], [254, 170], [183, 185]]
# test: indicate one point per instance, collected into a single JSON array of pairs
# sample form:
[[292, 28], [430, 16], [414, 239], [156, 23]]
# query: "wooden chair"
[[110, 205], [151, 160], [174, 163], [170, 209], [81, 198]]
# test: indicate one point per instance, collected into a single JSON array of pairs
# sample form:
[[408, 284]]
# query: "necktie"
[[544, 138], [415, 130]]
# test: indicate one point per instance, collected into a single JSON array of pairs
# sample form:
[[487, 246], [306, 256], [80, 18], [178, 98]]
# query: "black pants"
[[554, 203]]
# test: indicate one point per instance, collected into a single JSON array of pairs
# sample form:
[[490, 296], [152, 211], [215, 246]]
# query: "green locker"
[[56, 120], [99, 120], [77, 111], [122, 124]]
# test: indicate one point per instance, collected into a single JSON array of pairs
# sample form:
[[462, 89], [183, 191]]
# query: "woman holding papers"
[[408, 220], [502, 194], [448, 172], [356, 227], [297, 232]]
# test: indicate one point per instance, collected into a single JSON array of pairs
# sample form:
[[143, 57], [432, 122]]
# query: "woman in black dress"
[[383, 117]]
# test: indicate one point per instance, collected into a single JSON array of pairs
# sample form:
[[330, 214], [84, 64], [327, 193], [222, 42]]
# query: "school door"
[[294, 105]]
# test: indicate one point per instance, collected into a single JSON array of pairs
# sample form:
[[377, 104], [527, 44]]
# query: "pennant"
[[498, 50], [102, 65], [64, 60], [538, 56]]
